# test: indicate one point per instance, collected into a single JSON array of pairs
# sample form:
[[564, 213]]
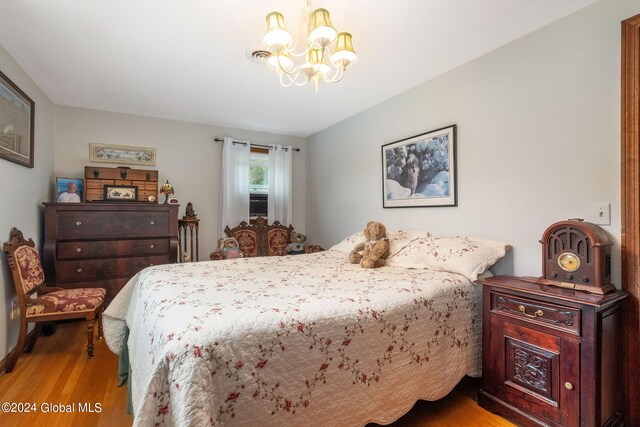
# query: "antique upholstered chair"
[[40, 303], [276, 239], [259, 238], [248, 237]]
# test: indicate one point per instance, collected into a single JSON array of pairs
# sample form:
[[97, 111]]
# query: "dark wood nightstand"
[[551, 356]]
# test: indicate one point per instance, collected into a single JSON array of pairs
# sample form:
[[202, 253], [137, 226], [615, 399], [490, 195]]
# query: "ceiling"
[[186, 60]]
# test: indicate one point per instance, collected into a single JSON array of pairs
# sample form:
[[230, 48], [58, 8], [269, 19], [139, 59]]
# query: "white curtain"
[[280, 183], [234, 191]]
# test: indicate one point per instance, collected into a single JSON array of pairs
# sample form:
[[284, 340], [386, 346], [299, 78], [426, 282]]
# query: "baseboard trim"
[[3, 362]]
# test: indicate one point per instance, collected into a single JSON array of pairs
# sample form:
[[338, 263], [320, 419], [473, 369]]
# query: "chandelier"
[[320, 51]]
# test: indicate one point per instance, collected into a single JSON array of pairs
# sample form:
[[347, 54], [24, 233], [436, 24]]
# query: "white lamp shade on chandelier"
[[326, 53]]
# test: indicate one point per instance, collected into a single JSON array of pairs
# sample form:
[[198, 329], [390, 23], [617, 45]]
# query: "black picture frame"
[[17, 123], [120, 193], [421, 171]]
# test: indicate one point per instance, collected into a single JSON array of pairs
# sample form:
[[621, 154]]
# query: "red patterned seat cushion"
[[81, 299], [248, 242], [277, 241], [31, 273]]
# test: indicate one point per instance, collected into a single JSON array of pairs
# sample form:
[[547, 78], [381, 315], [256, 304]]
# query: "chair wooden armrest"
[[48, 305]]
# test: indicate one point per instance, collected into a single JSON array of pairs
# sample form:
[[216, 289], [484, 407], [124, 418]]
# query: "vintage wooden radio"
[[577, 255]]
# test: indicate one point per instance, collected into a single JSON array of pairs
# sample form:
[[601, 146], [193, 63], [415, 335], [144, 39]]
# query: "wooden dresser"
[[551, 356], [105, 244]]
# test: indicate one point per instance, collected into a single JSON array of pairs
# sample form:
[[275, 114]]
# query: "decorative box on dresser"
[[105, 244], [551, 356]]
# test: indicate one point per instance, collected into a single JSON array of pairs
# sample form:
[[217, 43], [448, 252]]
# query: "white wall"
[[186, 155], [538, 141], [23, 191]]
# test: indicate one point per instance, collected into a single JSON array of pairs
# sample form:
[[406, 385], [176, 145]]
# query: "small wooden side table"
[[551, 356], [186, 239]]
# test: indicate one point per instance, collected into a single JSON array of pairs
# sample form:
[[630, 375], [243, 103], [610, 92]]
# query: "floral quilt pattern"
[[305, 340]]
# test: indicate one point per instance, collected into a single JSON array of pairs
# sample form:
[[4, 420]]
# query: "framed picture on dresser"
[[69, 190], [120, 193]]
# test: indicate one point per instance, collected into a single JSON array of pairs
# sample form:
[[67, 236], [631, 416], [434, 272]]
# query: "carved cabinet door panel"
[[540, 371]]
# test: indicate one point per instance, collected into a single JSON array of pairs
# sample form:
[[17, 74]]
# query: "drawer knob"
[[79, 250], [523, 310], [150, 264], [79, 270], [568, 385], [152, 246], [152, 222], [78, 222]]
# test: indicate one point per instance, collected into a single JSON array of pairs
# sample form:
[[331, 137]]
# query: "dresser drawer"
[[112, 224], [92, 269], [555, 316], [112, 248], [98, 184]]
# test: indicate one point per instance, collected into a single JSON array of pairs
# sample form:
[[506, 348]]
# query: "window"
[[258, 182]]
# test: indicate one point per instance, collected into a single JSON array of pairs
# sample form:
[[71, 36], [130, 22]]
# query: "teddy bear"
[[296, 247], [372, 253], [229, 248]]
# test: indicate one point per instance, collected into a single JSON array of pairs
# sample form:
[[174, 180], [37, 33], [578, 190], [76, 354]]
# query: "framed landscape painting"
[[121, 154], [17, 118], [420, 171]]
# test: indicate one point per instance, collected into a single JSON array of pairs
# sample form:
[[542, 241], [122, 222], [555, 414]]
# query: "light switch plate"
[[601, 213]]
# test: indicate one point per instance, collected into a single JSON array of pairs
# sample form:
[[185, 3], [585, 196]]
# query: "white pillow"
[[469, 256], [398, 240], [349, 242]]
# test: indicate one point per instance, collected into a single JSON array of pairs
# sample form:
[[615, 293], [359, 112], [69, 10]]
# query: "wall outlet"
[[601, 213], [15, 311]]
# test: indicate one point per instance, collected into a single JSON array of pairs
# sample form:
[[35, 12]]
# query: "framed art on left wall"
[[420, 171], [17, 118]]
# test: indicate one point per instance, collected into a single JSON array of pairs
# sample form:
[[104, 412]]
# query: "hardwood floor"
[[58, 372]]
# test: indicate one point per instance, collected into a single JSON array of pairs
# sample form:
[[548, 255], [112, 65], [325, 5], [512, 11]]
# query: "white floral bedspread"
[[297, 340]]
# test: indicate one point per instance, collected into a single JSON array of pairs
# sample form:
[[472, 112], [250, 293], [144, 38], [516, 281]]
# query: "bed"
[[298, 340]]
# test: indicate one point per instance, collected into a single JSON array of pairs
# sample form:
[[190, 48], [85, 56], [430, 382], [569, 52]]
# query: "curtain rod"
[[257, 145]]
